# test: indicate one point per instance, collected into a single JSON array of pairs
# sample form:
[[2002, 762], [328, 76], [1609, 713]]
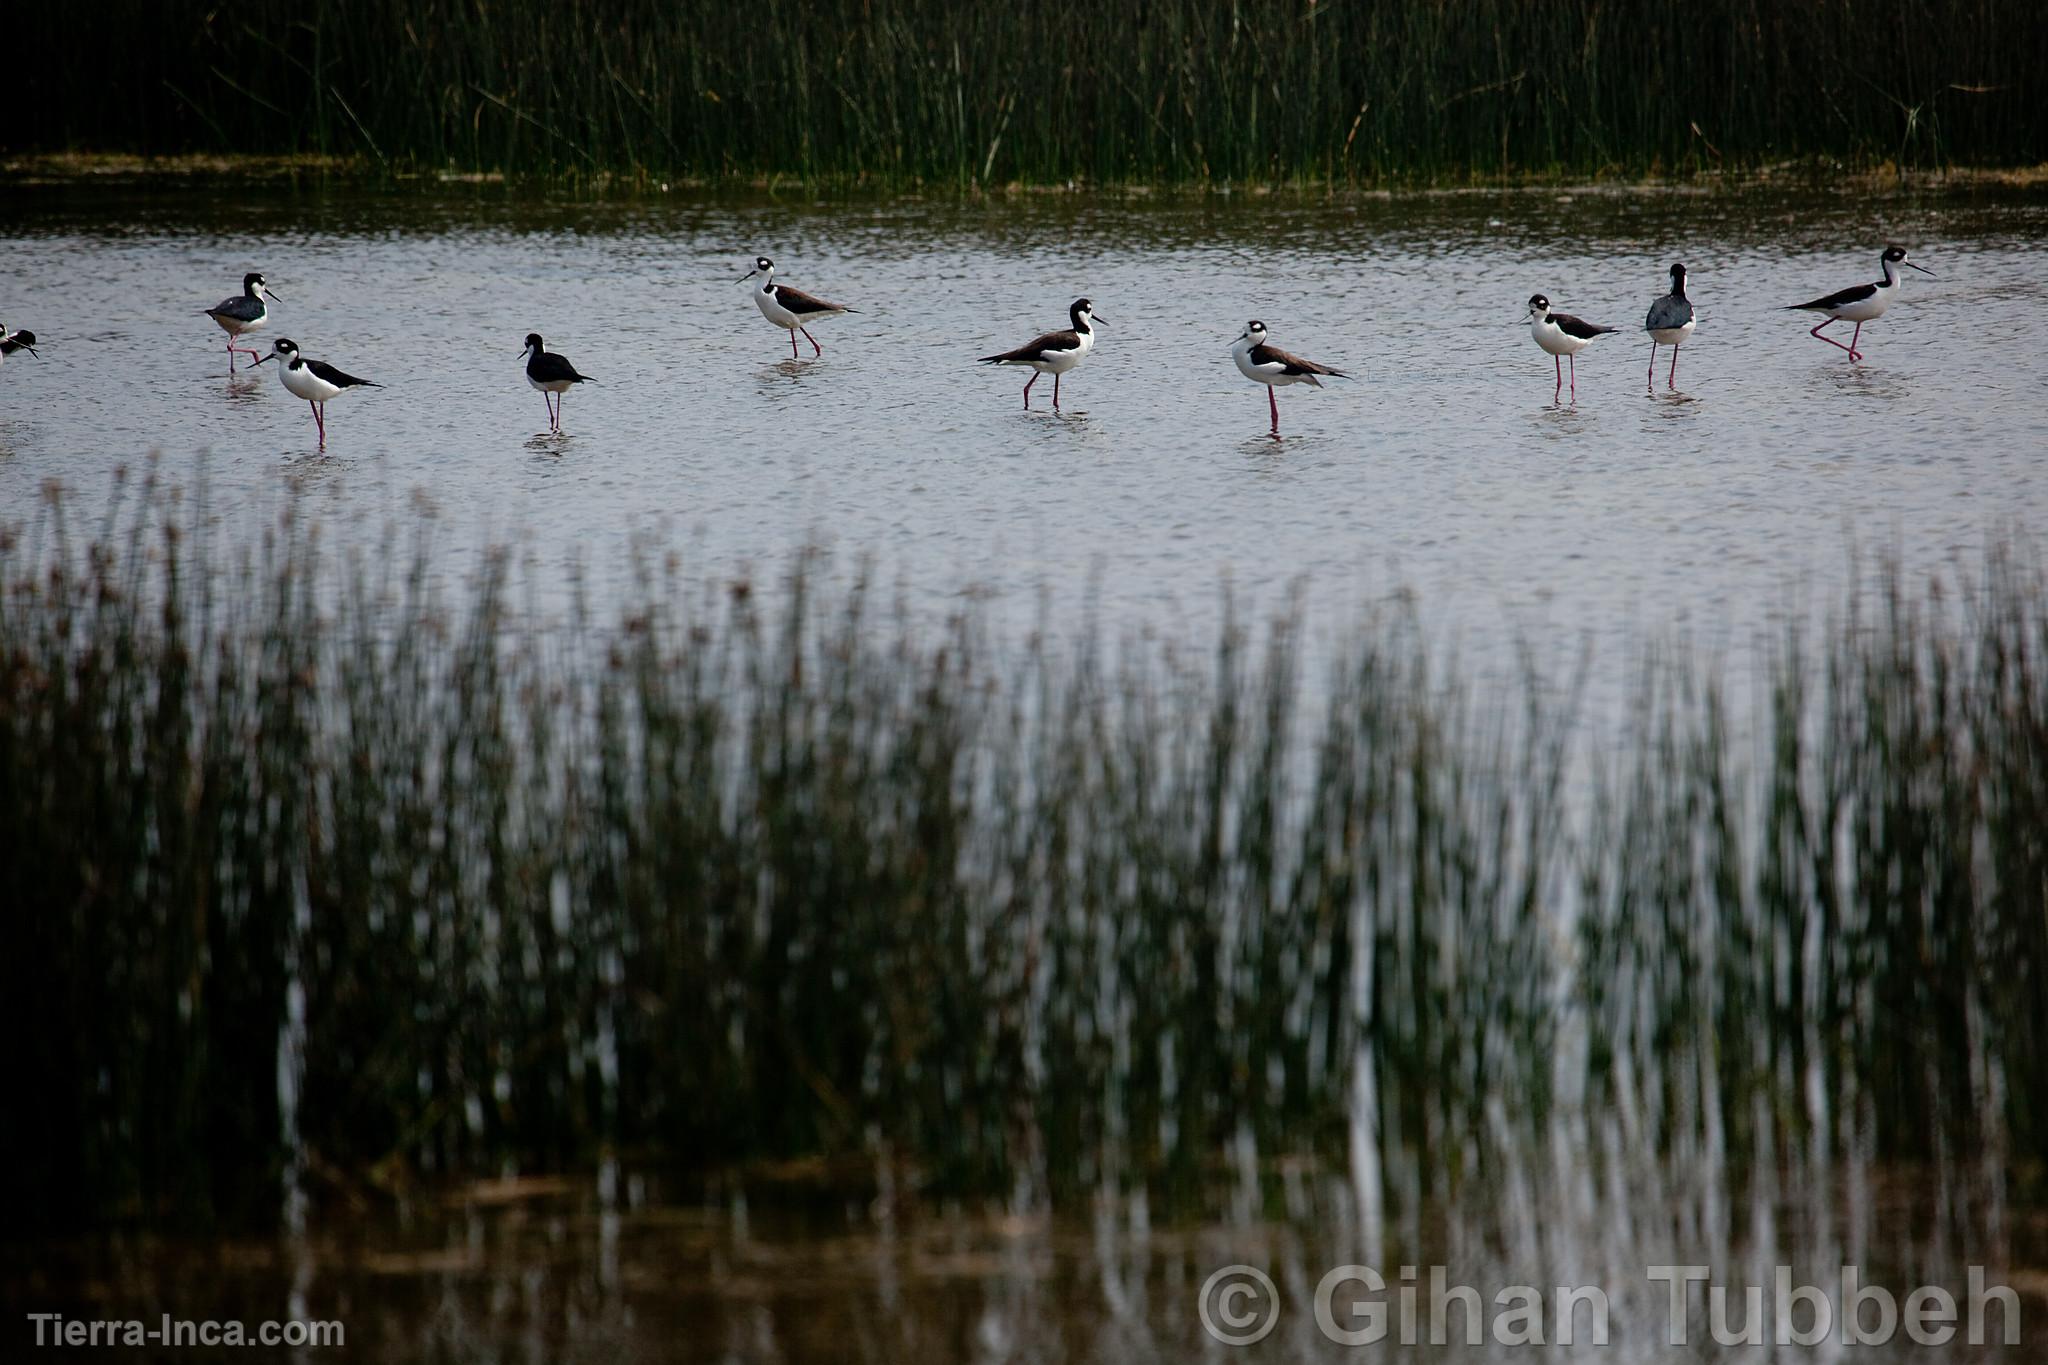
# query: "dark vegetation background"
[[901, 91]]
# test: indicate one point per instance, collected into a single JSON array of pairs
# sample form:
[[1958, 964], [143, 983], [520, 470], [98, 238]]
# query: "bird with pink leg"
[[1861, 303], [244, 313], [316, 381]]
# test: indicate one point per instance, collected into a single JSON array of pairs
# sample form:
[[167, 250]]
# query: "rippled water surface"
[[1447, 467]]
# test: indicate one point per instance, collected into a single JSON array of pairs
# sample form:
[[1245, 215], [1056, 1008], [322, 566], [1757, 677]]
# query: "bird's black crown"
[[1895, 253], [533, 341], [1539, 303]]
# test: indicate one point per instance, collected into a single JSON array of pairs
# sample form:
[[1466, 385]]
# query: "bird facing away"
[[790, 308], [1271, 366], [10, 342], [243, 313], [316, 381], [1562, 335], [1055, 352], [1861, 303], [1669, 323], [551, 373]]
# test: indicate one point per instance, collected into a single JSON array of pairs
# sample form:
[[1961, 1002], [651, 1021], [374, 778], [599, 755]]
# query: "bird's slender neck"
[[1080, 321], [1892, 274], [767, 281], [1678, 285]]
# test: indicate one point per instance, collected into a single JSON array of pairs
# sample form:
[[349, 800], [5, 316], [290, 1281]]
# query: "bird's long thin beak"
[[1924, 270], [1097, 317], [265, 356], [272, 294], [748, 276], [1240, 337], [524, 349], [31, 350]]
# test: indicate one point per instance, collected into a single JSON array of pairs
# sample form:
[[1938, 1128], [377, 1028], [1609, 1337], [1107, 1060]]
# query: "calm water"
[[1446, 468]]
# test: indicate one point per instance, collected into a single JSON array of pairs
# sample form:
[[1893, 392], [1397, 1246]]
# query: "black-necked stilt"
[[1563, 335], [1271, 366], [244, 313], [1054, 353], [10, 342], [1670, 323], [1862, 303], [551, 373], [316, 381], [790, 308]]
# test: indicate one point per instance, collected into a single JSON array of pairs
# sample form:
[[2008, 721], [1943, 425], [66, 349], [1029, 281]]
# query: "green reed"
[[919, 91], [314, 876]]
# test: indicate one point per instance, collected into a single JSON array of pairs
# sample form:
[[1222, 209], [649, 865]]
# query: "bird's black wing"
[[1036, 348], [1673, 310], [1841, 298], [322, 370], [240, 308], [797, 301], [550, 368], [1579, 327], [1289, 363]]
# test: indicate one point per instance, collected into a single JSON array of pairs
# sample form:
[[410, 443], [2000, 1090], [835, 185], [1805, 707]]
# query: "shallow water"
[[1447, 468]]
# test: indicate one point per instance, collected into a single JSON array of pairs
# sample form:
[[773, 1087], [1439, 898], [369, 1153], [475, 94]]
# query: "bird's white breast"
[[772, 310], [1554, 338], [307, 385]]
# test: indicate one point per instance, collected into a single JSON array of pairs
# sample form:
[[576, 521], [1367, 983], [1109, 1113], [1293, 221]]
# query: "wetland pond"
[[1445, 474]]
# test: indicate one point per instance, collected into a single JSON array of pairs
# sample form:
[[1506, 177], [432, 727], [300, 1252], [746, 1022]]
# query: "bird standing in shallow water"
[[790, 308], [1271, 366], [10, 342], [1670, 322], [1562, 335], [316, 381], [1054, 353], [551, 374], [1863, 302], [244, 313]]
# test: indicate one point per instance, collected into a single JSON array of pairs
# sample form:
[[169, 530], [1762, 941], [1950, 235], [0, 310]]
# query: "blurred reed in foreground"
[[314, 883]]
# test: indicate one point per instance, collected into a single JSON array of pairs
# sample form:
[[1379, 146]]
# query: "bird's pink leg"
[[1575, 375], [1273, 400], [1027, 390], [1855, 354], [1673, 381], [1557, 364], [1651, 378], [319, 420], [1815, 332], [792, 345], [558, 411], [1055, 391], [816, 349]]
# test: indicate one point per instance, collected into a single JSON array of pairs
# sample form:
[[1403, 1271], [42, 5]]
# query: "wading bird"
[[790, 308], [1563, 335], [244, 313], [1271, 366], [1054, 353], [10, 342], [316, 381], [1861, 303], [551, 374], [1670, 323]]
